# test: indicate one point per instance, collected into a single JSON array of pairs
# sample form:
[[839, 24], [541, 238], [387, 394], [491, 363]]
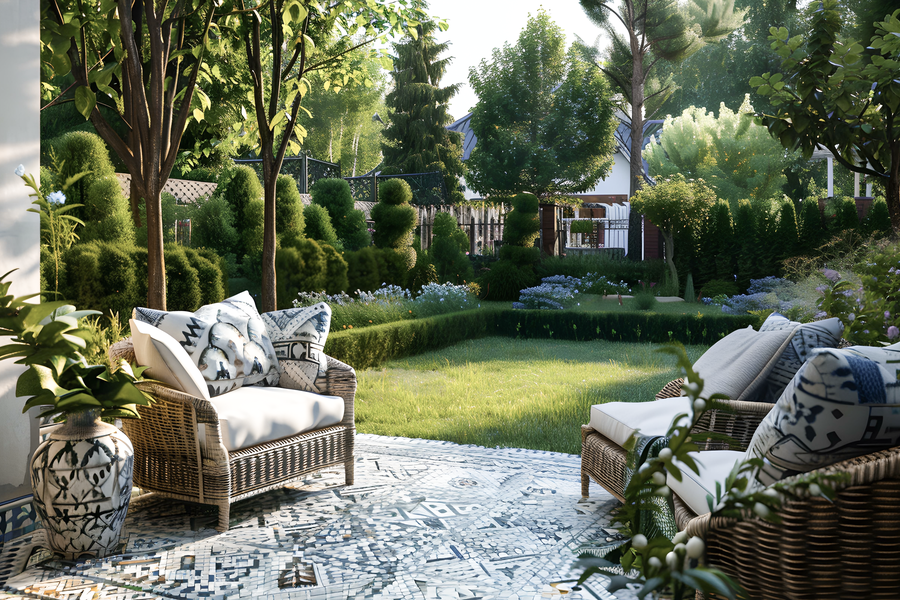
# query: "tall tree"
[[416, 138], [141, 58], [654, 30], [295, 39], [544, 118], [837, 95]]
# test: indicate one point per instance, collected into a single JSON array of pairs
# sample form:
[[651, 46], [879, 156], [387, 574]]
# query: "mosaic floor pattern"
[[424, 520]]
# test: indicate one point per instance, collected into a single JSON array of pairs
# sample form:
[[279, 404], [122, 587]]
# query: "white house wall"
[[19, 230], [618, 182]]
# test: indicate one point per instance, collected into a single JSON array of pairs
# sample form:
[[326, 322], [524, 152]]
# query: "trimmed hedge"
[[373, 346]]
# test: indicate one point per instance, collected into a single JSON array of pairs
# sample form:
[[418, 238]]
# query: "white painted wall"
[[618, 182], [19, 230]]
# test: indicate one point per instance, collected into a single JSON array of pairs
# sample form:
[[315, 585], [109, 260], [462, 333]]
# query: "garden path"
[[425, 520]]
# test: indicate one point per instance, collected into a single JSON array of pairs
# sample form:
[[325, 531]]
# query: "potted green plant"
[[81, 474]]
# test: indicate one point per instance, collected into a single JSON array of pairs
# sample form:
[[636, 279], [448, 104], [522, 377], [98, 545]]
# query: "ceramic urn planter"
[[81, 478]]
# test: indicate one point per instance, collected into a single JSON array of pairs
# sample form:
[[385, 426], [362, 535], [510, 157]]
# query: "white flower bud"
[[695, 547], [639, 542], [699, 405], [761, 509], [665, 454], [659, 478], [654, 563], [663, 491], [643, 468], [679, 548], [815, 490], [680, 538], [672, 560]]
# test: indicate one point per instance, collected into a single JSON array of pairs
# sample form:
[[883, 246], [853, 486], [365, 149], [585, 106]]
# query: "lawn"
[[507, 392]]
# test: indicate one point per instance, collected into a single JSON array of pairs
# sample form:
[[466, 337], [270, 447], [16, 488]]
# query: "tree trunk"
[[156, 262], [636, 171], [270, 181]]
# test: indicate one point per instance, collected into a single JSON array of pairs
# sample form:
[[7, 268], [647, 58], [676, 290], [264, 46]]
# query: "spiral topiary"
[[395, 219]]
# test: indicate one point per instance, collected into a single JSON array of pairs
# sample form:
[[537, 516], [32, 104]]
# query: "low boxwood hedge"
[[371, 347]]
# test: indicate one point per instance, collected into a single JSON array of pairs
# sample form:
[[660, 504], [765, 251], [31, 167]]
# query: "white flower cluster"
[[386, 293], [311, 298], [548, 296], [436, 298]]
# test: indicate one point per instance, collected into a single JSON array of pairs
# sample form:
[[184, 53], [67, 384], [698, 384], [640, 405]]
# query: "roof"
[[463, 127]]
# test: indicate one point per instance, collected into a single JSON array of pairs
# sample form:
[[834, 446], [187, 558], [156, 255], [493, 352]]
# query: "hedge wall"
[[373, 346]]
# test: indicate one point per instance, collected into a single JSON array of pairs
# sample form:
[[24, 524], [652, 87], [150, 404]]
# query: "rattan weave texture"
[[170, 461]]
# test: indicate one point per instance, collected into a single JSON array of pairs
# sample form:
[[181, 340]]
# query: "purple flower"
[[893, 333], [821, 289], [887, 314], [831, 274]]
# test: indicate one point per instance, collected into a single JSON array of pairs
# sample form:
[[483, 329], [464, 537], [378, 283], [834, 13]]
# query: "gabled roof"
[[463, 127]]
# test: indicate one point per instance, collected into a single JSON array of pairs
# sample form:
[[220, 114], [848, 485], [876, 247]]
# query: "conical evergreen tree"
[[810, 226], [723, 241], [764, 263], [417, 140], [746, 242], [786, 236]]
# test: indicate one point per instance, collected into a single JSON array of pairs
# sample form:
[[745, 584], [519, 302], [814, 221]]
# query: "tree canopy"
[[544, 118], [734, 155], [416, 139], [839, 95]]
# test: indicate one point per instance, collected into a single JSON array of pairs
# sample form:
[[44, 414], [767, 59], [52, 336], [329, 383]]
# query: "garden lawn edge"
[[371, 347]]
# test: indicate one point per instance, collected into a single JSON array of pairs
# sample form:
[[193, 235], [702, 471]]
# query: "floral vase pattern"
[[81, 477]]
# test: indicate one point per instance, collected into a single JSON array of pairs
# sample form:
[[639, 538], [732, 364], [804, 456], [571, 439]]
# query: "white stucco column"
[[19, 230]]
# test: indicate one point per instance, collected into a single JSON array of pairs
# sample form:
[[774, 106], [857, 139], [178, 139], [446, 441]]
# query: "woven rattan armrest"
[[340, 380], [738, 420], [822, 550]]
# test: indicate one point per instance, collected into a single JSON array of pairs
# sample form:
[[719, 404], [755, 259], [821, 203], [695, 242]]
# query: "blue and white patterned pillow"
[[840, 404], [806, 337], [298, 335], [227, 341]]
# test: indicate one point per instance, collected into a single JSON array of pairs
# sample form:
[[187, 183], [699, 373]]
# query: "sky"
[[479, 26]]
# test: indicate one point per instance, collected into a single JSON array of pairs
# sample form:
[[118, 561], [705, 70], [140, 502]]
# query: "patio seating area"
[[424, 519]]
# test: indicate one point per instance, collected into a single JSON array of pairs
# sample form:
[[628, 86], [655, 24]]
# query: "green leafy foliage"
[[301, 267], [834, 93], [349, 223], [416, 139], [676, 206], [318, 225], [505, 279], [49, 340], [241, 189], [551, 136], [448, 250], [288, 207], [522, 226], [336, 280], [214, 226], [106, 214], [869, 310], [811, 233], [787, 235], [395, 219], [182, 280], [878, 220], [733, 155]]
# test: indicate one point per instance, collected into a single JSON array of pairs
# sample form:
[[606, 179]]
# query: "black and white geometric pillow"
[[298, 335], [227, 341], [807, 337], [840, 404]]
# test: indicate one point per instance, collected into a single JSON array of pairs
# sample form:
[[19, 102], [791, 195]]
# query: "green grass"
[[509, 393]]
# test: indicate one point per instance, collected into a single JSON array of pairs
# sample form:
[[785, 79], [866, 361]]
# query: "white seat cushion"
[[254, 415], [714, 465], [619, 420]]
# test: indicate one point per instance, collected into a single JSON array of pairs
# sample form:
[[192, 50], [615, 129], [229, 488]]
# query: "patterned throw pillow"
[[840, 404], [298, 335], [227, 341], [806, 337]]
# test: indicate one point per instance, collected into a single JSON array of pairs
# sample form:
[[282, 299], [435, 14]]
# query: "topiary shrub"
[[107, 217], [392, 266], [221, 262], [183, 290], [362, 270], [505, 280], [318, 225], [809, 225], [213, 226], [240, 186], [288, 207], [253, 227], [522, 226], [395, 219], [523, 256], [80, 152], [209, 276], [448, 250], [299, 268], [104, 277], [846, 217], [878, 221], [719, 287], [350, 224], [336, 280]]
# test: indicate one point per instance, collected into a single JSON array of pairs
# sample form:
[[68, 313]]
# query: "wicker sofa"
[[180, 451]]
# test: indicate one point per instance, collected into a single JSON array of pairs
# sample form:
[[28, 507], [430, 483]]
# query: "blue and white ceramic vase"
[[81, 478]]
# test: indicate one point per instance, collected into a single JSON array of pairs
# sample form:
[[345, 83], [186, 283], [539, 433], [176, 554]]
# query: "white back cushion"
[[168, 362]]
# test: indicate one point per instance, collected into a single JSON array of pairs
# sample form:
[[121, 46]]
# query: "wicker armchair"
[[170, 460], [605, 461], [820, 550]]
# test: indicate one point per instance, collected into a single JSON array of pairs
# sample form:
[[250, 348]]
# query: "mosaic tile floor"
[[424, 520]]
